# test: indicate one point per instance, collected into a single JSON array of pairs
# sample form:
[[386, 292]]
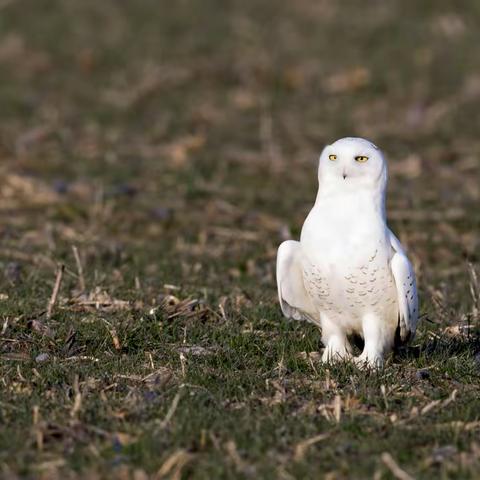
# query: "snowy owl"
[[349, 273]]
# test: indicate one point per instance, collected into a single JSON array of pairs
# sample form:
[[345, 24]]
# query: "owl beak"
[[344, 175]]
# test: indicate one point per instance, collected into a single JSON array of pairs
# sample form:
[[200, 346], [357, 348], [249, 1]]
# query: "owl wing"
[[293, 297], [407, 297]]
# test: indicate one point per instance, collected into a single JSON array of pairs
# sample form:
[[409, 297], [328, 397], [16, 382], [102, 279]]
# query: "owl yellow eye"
[[361, 159], [332, 157]]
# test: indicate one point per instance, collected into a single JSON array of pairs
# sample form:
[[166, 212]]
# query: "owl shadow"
[[357, 342], [440, 347], [431, 346]]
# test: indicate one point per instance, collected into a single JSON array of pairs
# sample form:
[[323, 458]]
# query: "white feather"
[[406, 284], [293, 298]]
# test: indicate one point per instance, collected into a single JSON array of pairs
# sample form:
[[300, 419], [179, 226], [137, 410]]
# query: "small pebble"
[[162, 213], [42, 357], [60, 186], [440, 454], [13, 272], [124, 190], [477, 360], [423, 374]]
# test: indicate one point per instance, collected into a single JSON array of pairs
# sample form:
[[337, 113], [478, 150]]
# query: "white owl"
[[349, 273]]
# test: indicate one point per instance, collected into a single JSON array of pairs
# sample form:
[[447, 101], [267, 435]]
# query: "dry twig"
[[174, 464], [392, 465], [77, 401], [56, 288], [302, 447], [172, 409], [81, 278]]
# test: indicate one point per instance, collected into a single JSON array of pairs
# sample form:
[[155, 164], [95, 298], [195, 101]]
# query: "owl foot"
[[369, 360], [336, 351]]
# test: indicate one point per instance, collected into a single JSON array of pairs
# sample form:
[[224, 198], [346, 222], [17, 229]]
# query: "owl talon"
[[337, 350], [366, 361]]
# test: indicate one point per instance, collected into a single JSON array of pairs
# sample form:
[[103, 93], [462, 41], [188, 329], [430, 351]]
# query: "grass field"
[[161, 151]]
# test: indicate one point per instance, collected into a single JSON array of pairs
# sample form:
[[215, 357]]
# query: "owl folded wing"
[[404, 276], [294, 299]]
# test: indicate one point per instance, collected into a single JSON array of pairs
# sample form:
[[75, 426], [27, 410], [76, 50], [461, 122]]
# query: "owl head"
[[352, 163]]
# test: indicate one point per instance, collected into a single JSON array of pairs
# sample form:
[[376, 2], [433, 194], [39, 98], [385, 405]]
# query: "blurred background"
[[175, 144], [200, 123]]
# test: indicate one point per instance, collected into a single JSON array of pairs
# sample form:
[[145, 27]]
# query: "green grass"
[[157, 138]]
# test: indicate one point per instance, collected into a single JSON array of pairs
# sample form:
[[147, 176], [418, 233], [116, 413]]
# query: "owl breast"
[[352, 288]]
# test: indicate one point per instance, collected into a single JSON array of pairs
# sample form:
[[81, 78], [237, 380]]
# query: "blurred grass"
[[175, 145]]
